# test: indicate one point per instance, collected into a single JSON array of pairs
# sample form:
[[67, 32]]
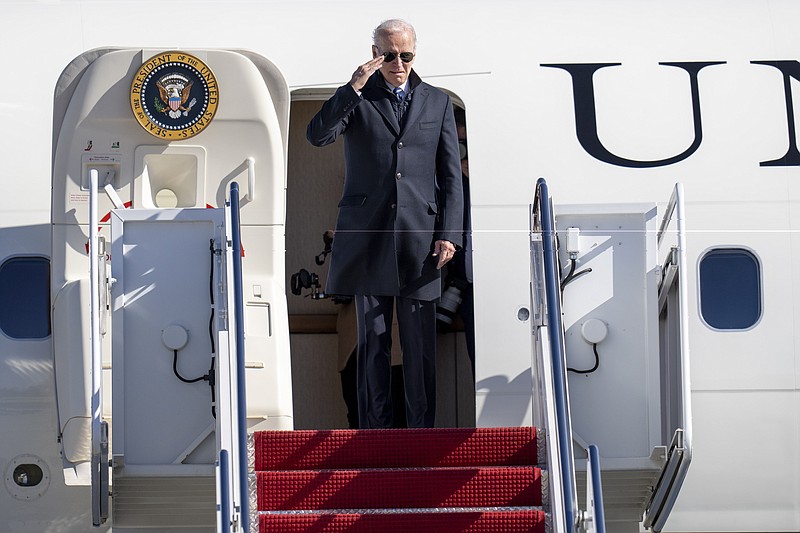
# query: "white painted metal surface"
[[521, 124]]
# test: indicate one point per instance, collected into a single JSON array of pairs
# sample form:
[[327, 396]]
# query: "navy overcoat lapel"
[[418, 99]]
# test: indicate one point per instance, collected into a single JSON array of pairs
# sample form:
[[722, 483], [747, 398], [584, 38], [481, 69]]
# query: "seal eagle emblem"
[[174, 91], [174, 95]]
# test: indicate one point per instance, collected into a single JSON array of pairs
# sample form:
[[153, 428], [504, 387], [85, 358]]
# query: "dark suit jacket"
[[402, 188]]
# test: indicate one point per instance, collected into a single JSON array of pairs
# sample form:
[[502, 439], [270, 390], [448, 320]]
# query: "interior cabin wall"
[[315, 178]]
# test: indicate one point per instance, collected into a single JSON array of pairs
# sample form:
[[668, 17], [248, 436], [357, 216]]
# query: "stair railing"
[[224, 492], [594, 519], [97, 273], [232, 472], [560, 457], [241, 407], [546, 295], [679, 452]]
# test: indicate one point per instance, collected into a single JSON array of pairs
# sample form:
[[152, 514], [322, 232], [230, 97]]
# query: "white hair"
[[390, 26]]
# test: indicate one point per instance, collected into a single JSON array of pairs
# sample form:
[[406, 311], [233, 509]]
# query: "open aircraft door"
[[158, 271]]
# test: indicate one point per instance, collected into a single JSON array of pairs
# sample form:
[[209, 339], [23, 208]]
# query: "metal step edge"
[[416, 510], [404, 469]]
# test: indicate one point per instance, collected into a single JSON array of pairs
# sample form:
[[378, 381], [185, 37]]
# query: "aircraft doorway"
[[322, 332]]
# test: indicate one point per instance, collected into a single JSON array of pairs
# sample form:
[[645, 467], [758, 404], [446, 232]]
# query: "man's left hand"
[[444, 250]]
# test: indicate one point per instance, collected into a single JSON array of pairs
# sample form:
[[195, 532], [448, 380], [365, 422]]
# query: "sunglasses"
[[462, 148], [405, 57]]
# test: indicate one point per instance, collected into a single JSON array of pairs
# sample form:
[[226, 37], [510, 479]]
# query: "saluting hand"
[[444, 250], [362, 73]]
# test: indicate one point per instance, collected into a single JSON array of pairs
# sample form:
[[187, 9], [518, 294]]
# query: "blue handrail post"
[[596, 488], [555, 329], [224, 491], [240, 374]]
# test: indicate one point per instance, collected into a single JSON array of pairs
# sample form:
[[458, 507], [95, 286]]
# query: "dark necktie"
[[400, 94]]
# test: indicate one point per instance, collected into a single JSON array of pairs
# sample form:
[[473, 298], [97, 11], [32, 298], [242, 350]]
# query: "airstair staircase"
[[170, 481], [401, 480], [476, 480], [440, 480]]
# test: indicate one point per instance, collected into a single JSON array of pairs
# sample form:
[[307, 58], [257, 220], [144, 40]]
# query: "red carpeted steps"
[[400, 480], [450, 522]]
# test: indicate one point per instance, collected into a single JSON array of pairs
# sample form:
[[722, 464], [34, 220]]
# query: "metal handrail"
[[683, 290], [680, 449], [676, 210], [99, 457], [672, 205], [594, 492], [241, 400], [558, 355], [224, 491]]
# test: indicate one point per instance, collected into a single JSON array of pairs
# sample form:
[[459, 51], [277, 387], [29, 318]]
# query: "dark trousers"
[[417, 322], [348, 379]]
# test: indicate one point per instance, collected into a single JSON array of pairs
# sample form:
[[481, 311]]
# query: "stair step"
[[395, 448], [466, 480], [399, 488], [469, 521], [162, 502]]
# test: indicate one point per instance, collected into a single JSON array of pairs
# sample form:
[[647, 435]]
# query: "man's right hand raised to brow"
[[362, 73]]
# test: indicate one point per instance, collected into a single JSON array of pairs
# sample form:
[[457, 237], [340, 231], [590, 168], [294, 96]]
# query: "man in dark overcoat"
[[400, 217]]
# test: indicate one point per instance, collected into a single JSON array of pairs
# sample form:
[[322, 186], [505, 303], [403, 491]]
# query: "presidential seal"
[[174, 95]]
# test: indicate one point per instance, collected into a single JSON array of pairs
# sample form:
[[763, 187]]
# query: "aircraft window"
[[25, 297], [730, 289]]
